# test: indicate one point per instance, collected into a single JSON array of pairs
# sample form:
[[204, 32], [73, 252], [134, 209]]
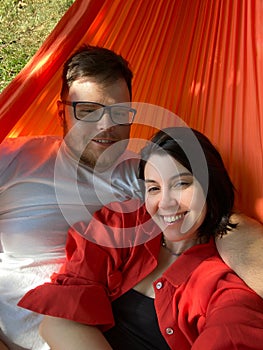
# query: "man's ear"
[[61, 112]]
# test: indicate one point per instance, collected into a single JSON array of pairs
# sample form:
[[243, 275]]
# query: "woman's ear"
[[61, 112]]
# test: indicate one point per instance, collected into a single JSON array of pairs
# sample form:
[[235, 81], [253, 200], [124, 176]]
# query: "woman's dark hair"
[[197, 154], [98, 62]]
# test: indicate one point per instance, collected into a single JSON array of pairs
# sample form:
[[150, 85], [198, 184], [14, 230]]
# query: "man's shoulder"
[[128, 162], [36, 149], [25, 143], [125, 176], [17, 142]]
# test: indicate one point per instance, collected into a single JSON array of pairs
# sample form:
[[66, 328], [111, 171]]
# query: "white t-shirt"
[[43, 191]]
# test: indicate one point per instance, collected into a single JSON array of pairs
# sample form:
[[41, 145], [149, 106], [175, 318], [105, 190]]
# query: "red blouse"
[[200, 302]]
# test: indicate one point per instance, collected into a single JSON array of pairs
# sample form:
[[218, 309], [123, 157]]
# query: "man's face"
[[97, 144]]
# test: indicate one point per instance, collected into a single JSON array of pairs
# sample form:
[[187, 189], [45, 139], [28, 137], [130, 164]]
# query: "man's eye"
[[120, 112], [87, 110]]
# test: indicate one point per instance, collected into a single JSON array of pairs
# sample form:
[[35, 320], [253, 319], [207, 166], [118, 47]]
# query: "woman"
[[149, 276]]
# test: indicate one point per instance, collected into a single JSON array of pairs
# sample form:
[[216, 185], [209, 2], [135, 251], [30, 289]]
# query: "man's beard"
[[98, 162], [102, 161]]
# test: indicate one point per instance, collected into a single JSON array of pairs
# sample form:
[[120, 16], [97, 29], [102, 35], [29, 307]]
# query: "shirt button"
[[159, 285], [169, 331]]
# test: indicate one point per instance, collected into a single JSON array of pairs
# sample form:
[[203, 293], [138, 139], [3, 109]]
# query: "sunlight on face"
[[96, 143], [173, 197]]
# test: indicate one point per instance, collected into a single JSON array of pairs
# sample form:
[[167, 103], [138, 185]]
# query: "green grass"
[[24, 25]]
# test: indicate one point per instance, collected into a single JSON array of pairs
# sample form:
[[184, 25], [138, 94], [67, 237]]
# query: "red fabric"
[[224, 313], [201, 59]]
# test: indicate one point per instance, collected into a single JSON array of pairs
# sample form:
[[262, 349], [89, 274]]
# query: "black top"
[[136, 325]]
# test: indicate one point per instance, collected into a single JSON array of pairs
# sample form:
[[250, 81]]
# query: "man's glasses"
[[92, 112]]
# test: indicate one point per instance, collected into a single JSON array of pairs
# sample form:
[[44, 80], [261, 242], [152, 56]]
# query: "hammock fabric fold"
[[200, 59]]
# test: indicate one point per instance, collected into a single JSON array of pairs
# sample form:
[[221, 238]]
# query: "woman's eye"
[[152, 189], [182, 184]]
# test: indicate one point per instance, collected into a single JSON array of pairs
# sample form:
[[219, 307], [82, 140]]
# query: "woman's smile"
[[171, 219]]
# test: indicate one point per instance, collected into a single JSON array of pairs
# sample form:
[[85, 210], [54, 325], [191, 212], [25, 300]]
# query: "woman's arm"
[[242, 250], [62, 334], [3, 346]]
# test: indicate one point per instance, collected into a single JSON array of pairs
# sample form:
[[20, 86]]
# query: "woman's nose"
[[168, 199]]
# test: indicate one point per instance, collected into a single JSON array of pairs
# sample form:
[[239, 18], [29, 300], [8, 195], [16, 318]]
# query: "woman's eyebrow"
[[172, 178], [149, 181]]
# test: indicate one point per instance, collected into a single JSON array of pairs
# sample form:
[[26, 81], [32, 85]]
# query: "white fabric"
[[43, 191]]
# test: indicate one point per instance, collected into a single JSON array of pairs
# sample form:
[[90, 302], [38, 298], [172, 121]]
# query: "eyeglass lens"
[[92, 113]]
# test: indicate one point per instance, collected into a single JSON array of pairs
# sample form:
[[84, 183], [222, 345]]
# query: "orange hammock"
[[200, 59]]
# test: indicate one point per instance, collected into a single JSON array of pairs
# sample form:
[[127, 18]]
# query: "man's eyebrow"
[[172, 178]]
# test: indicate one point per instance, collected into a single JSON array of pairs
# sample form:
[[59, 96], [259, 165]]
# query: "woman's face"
[[173, 197]]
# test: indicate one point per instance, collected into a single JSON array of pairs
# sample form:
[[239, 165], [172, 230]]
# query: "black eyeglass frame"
[[103, 107]]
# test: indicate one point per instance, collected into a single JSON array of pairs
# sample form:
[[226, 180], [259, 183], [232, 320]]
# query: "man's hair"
[[220, 193], [102, 64]]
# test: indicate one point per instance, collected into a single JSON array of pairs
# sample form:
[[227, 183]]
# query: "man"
[[48, 185], [37, 173]]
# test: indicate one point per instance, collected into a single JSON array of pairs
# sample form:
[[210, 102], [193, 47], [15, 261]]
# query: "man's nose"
[[105, 122]]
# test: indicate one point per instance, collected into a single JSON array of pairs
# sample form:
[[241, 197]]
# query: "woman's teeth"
[[173, 218]]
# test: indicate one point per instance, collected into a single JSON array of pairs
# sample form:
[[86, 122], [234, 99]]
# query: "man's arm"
[[233, 318], [62, 334], [242, 250]]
